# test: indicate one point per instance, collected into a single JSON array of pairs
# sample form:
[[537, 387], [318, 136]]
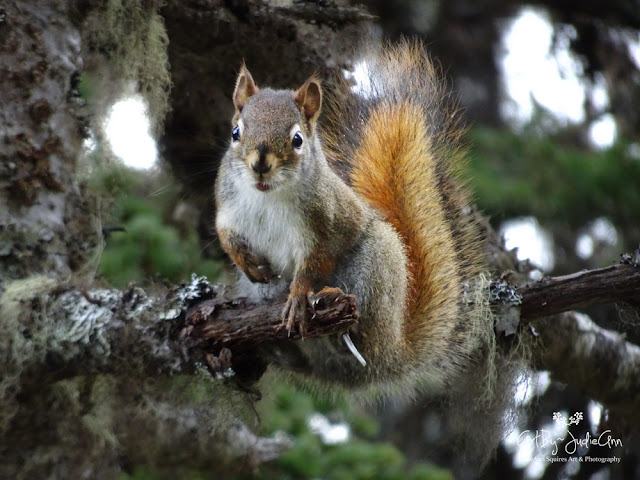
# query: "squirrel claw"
[[325, 297], [296, 308]]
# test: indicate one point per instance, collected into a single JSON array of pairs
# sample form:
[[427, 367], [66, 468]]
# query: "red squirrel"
[[371, 203]]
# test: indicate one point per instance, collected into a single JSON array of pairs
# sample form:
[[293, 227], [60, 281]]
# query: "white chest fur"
[[271, 224]]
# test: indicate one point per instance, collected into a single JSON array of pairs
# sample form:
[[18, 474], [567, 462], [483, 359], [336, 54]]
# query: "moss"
[[126, 45], [21, 342]]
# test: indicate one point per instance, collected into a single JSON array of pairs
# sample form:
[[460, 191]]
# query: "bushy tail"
[[395, 138]]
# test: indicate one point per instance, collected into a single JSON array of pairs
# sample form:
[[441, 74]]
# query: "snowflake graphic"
[[574, 419]]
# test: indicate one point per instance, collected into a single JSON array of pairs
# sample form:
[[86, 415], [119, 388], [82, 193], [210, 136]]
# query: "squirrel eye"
[[235, 134], [296, 141]]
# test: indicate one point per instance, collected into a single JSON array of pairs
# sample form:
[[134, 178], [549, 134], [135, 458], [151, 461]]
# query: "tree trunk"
[[59, 419]]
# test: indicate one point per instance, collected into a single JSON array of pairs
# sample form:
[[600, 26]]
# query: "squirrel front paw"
[[297, 307], [259, 272], [256, 267]]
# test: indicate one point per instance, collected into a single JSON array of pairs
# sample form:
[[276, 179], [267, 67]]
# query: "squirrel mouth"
[[263, 187]]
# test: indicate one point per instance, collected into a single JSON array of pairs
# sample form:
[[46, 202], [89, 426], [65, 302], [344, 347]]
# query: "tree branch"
[[110, 331], [580, 290], [574, 349], [553, 295], [242, 327]]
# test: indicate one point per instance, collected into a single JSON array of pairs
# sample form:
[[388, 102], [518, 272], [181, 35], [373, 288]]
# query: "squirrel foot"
[[255, 267], [326, 296], [297, 307]]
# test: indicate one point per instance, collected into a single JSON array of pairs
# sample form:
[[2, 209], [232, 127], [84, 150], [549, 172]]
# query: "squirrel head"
[[273, 131]]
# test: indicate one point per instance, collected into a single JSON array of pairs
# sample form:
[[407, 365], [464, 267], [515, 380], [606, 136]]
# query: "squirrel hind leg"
[[380, 288]]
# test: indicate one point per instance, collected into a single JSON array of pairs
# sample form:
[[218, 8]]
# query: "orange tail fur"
[[393, 138]]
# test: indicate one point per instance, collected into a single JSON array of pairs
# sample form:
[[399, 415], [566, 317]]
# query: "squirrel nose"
[[261, 167]]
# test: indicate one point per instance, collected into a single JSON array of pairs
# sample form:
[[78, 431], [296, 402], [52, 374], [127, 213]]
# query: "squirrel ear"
[[309, 98], [245, 88]]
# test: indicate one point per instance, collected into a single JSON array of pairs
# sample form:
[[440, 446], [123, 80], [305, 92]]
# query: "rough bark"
[[599, 362], [618, 283], [46, 224], [108, 331], [224, 326]]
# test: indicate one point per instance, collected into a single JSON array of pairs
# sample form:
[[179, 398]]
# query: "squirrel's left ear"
[[309, 98], [245, 88]]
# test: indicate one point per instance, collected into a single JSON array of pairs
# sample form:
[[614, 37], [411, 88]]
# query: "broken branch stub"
[[215, 324]]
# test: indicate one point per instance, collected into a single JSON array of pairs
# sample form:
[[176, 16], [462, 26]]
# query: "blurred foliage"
[[516, 175], [152, 245], [86, 86], [360, 458], [287, 409]]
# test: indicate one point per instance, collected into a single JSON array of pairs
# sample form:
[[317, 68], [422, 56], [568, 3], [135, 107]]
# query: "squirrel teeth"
[[352, 348]]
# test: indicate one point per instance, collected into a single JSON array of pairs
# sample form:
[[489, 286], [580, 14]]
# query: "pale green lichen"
[[483, 320], [483, 405], [81, 322], [197, 288]]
